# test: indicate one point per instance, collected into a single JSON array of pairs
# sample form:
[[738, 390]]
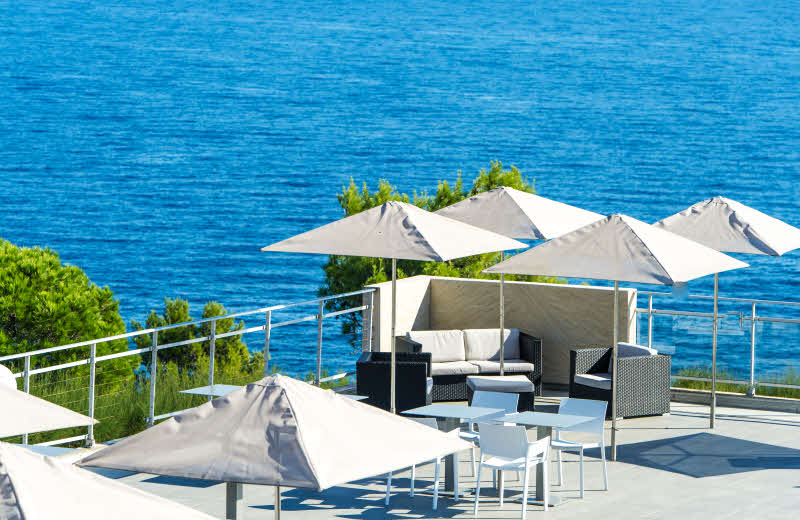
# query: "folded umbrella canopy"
[[37, 487], [398, 231], [517, 214], [279, 432], [620, 248], [23, 413], [726, 225]]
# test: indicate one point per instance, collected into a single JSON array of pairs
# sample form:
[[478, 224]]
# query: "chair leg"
[[455, 477], [500, 490], [478, 488], [546, 483], [413, 476], [525, 492], [388, 487], [474, 462], [581, 471], [605, 473], [560, 470], [436, 485]]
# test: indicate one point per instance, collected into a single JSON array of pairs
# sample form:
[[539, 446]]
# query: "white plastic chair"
[[503, 401], [507, 448], [431, 422], [587, 408]]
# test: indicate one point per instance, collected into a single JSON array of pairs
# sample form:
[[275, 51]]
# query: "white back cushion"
[[484, 344], [444, 345], [631, 350]]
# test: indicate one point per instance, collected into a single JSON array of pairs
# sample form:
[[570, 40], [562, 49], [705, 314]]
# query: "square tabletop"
[[551, 420], [456, 411], [212, 390]]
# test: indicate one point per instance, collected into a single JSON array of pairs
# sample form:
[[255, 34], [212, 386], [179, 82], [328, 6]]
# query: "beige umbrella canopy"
[[622, 249], [399, 231], [726, 225], [518, 214], [37, 487], [23, 413], [279, 432]]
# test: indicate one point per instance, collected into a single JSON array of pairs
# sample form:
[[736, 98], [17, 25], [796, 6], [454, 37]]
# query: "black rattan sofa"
[[643, 381], [412, 379]]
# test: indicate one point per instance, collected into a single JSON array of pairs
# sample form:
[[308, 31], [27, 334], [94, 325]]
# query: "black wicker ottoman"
[[511, 384]]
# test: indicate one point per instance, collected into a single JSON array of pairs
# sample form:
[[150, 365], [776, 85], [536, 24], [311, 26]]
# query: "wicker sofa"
[[457, 354], [412, 379], [644, 378]]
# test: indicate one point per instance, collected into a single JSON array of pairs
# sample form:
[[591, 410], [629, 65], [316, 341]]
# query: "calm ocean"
[[158, 145]]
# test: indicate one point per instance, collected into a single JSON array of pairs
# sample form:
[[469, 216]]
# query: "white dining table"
[[544, 423]]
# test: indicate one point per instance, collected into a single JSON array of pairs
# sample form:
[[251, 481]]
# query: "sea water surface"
[[159, 145]]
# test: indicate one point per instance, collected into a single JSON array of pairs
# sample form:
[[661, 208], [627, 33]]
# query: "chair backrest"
[[509, 442], [507, 402], [587, 408]]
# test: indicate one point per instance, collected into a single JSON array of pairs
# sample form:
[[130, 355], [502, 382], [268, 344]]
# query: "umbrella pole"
[[277, 503], [714, 354], [392, 407], [502, 316], [614, 374]]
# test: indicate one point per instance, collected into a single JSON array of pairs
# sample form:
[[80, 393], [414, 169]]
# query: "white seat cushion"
[[511, 366], [484, 344], [444, 345], [507, 384], [601, 381], [453, 368]]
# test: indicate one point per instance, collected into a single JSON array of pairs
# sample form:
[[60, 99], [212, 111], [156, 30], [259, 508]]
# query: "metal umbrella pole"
[[614, 374], [714, 354], [394, 321], [277, 503], [502, 315]]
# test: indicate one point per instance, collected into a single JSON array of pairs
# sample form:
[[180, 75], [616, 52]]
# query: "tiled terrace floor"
[[668, 467]]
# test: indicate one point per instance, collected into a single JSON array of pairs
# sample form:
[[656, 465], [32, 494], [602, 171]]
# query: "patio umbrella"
[[726, 225], [518, 214], [279, 432], [398, 231], [37, 487], [23, 413], [622, 249], [7, 377]]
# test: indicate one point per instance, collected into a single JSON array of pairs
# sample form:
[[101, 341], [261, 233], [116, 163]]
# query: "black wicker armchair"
[[643, 386], [412, 372]]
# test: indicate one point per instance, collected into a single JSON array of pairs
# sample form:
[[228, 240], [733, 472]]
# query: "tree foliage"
[[345, 274], [44, 303], [230, 352]]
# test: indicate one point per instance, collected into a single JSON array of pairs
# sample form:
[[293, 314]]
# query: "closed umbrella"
[[279, 432], [37, 487], [518, 214], [620, 248], [726, 225], [401, 231]]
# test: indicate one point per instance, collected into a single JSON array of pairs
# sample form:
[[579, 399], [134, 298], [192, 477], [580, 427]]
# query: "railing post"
[[752, 390], [319, 342], [650, 321], [211, 345], [371, 305], [92, 367], [151, 413], [267, 332], [26, 385]]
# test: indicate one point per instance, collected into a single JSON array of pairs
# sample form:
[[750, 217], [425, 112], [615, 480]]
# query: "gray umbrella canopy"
[[24, 413], [726, 225], [36, 487], [622, 249], [279, 431], [518, 214], [399, 231]]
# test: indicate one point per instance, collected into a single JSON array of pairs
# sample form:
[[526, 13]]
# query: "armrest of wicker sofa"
[[530, 349], [372, 380], [413, 357], [643, 386], [589, 360], [403, 344]]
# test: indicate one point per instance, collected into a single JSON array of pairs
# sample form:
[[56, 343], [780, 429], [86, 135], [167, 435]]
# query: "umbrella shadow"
[[708, 455], [368, 503], [179, 481]]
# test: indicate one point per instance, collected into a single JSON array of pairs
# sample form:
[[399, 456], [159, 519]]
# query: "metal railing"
[[92, 360], [752, 317]]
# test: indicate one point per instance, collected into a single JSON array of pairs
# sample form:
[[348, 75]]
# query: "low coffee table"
[[512, 384]]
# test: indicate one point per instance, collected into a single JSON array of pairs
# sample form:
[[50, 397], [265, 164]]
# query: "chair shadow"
[[706, 455]]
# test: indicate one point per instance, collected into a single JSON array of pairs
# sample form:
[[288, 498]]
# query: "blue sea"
[[159, 145]]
